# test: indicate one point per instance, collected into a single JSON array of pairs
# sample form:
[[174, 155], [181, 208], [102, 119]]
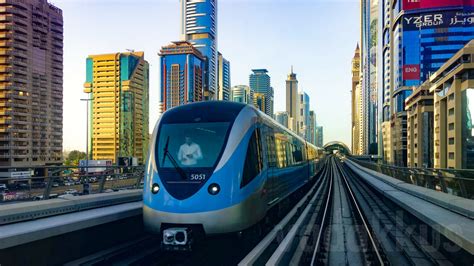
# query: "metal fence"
[[455, 182], [45, 182]]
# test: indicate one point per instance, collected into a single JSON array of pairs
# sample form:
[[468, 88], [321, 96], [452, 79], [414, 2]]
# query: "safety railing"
[[451, 181], [45, 182]]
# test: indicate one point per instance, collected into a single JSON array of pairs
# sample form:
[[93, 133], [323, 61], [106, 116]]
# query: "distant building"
[[31, 83], [304, 119], [259, 82], [356, 102], [292, 101], [118, 84], [270, 102], [199, 27], [242, 94], [223, 71], [282, 118], [319, 136], [259, 101], [182, 67], [312, 127]]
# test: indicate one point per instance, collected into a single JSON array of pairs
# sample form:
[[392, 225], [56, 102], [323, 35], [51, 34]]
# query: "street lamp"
[[87, 133], [87, 126]]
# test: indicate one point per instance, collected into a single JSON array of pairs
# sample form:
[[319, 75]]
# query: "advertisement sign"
[[411, 72], [438, 20], [421, 4], [94, 166]]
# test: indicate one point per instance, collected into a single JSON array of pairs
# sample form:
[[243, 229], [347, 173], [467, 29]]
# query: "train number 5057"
[[198, 177]]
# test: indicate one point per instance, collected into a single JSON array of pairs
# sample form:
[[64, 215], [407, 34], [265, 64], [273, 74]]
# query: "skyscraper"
[[182, 68], [304, 119], [199, 27], [319, 136], [118, 86], [259, 101], [368, 83], [356, 104], [282, 118], [259, 82], [224, 78], [241, 94], [312, 127], [31, 75], [292, 101], [418, 37]]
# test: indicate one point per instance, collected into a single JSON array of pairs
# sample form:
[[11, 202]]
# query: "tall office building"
[[319, 136], [356, 102], [282, 118], [199, 27], [223, 78], [242, 94], [182, 68], [270, 102], [312, 127], [259, 82], [259, 101], [368, 83], [31, 83], [292, 101], [304, 119], [417, 38], [118, 86]]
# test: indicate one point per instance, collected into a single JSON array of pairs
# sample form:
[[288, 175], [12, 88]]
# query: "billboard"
[[421, 4], [411, 72], [440, 19]]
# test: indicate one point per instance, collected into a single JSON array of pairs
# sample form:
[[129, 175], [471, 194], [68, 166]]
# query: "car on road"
[[71, 192], [3, 187]]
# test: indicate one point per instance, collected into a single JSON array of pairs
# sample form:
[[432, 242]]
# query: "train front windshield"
[[191, 145]]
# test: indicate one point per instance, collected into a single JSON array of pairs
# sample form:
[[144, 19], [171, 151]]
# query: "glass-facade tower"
[[259, 82], [415, 44], [199, 27]]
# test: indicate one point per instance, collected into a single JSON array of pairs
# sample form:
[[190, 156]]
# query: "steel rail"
[[323, 221], [359, 212]]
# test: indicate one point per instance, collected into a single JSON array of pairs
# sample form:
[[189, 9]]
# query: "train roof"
[[223, 110]]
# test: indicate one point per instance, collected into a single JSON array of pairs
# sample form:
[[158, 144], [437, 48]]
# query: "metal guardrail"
[[456, 182], [48, 182]]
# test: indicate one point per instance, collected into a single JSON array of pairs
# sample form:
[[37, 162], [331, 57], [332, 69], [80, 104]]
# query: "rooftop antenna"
[[130, 50], [291, 69]]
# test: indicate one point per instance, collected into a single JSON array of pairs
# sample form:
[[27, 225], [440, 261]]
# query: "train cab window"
[[253, 160]]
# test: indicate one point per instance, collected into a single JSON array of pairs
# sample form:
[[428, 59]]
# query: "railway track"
[[340, 220], [402, 242], [223, 250]]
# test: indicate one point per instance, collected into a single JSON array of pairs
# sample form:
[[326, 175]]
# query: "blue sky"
[[317, 37]]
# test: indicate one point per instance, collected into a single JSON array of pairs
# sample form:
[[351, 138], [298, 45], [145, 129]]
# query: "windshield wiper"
[[166, 153]]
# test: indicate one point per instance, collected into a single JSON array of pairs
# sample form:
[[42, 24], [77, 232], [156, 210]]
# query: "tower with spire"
[[292, 100], [356, 101]]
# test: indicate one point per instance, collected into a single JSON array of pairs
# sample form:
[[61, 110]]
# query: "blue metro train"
[[219, 167]]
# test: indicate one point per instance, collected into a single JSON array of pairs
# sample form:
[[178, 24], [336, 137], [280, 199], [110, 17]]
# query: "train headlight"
[[155, 188], [213, 189]]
